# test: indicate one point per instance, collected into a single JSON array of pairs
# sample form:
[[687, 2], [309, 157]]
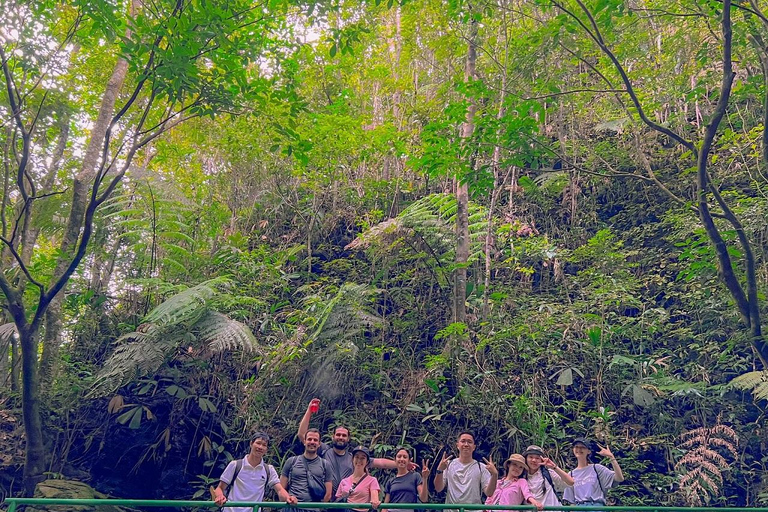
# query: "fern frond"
[[755, 382], [346, 314], [130, 361], [433, 217], [701, 468], [222, 333], [186, 307], [7, 331]]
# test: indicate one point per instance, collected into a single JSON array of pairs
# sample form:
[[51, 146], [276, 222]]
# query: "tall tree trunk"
[[462, 191], [80, 192], [35, 456]]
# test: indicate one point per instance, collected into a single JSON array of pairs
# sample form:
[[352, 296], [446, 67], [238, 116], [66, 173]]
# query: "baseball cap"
[[363, 450], [583, 441]]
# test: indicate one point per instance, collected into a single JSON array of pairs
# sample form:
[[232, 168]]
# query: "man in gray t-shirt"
[[338, 454], [298, 470]]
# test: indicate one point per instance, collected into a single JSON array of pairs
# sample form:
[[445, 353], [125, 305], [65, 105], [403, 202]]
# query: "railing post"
[[12, 507]]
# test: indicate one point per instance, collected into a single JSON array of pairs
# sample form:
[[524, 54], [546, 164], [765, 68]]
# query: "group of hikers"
[[337, 472]]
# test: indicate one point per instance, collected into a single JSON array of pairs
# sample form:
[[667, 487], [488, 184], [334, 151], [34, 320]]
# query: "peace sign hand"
[[444, 462], [491, 467], [424, 469]]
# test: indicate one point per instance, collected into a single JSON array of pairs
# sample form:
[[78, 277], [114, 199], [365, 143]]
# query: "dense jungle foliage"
[[536, 219]]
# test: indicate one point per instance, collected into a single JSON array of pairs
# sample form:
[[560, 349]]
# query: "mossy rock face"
[[71, 489]]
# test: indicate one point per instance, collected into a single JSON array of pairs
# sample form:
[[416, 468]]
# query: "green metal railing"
[[13, 503]]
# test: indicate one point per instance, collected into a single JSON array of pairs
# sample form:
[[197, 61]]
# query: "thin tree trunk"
[[497, 187], [35, 456], [462, 192], [80, 194], [15, 364]]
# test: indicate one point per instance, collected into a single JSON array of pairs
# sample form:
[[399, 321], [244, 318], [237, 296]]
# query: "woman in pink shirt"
[[513, 489], [360, 487]]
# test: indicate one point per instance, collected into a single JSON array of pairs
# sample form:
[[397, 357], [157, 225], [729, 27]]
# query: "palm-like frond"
[[756, 382], [184, 308], [433, 218], [222, 333], [140, 357], [182, 318], [346, 314], [7, 331]]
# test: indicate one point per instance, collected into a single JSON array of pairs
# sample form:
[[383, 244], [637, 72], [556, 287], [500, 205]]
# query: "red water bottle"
[[314, 405]]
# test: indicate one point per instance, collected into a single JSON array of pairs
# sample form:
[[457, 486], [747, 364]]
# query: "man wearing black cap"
[[249, 478], [544, 477]]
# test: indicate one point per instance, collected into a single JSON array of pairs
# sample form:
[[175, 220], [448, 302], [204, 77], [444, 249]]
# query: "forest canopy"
[[536, 219]]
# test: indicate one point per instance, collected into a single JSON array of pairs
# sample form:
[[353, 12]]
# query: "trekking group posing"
[[338, 473]]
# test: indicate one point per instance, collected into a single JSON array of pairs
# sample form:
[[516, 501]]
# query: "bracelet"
[[439, 472]]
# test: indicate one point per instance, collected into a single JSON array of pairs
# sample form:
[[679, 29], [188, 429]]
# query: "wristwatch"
[[439, 472]]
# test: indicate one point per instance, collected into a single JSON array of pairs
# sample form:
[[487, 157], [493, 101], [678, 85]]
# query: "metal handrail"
[[14, 502]]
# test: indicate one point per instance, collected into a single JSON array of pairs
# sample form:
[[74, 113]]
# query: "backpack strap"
[[480, 470], [238, 467], [602, 489], [547, 476]]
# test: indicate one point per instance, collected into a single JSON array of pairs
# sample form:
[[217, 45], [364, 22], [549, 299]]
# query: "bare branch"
[[22, 266]]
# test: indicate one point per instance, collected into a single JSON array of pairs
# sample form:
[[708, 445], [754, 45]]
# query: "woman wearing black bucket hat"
[[545, 478], [591, 481]]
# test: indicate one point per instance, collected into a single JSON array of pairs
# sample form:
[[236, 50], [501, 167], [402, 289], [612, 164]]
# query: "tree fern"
[[345, 314], [433, 218], [222, 333], [186, 307], [755, 382], [183, 318]]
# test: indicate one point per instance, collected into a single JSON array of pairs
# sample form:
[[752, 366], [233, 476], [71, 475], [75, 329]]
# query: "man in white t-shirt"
[[252, 480], [465, 478], [545, 479]]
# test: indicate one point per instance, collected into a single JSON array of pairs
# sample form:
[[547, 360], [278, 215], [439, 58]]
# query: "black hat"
[[583, 441], [364, 451], [534, 450]]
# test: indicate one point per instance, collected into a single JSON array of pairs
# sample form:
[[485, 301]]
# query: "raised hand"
[[491, 467], [547, 463], [605, 452], [314, 406], [412, 466], [424, 469], [444, 462]]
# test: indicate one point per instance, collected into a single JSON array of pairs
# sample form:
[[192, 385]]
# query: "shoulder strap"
[[547, 476], [238, 467], [480, 470], [358, 483], [602, 489]]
